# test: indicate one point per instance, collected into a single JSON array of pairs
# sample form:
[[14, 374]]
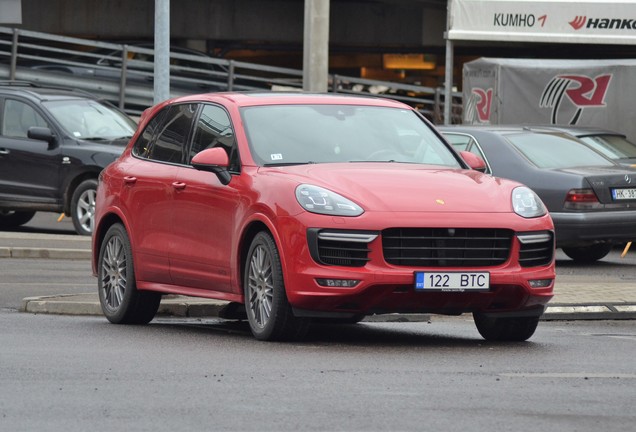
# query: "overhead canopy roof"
[[553, 21]]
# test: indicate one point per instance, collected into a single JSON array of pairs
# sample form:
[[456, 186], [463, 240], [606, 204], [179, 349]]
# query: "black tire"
[[12, 219], [517, 329], [588, 254], [268, 311], [83, 207], [120, 300]]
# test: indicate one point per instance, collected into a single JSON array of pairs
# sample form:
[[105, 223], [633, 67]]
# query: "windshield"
[[297, 134], [556, 151], [91, 119], [612, 146]]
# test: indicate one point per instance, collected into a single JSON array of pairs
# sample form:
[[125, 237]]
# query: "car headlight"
[[323, 201], [526, 203]]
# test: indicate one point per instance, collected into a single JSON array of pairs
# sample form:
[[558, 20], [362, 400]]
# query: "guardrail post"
[[122, 79], [230, 77], [14, 55], [437, 107]]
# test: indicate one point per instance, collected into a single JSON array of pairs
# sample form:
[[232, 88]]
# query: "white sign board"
[[553, 21]]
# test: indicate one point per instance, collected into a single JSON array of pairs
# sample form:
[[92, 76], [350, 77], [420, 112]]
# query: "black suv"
[[53, 144]]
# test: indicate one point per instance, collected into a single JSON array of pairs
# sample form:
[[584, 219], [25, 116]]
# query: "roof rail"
[[17, 83]]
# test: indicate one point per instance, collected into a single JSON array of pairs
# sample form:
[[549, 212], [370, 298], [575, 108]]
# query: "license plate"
[[624, 194], [452, 281]]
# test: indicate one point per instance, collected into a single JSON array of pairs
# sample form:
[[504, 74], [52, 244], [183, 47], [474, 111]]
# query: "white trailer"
[[566, 92]]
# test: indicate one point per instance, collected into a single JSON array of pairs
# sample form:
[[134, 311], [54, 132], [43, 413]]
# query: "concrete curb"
[[88, 304], [22, 252], [593, 311], [189, 307]]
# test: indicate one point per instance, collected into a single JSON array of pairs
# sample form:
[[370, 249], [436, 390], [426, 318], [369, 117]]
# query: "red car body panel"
[[189, 232]]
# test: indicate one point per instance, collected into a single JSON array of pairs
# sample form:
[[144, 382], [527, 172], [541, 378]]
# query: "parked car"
[[613, 145], [315, 206], [592, 199], [53, 144]]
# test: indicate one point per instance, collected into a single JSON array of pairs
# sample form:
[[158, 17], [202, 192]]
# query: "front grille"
[[446, 247], [535, 248]]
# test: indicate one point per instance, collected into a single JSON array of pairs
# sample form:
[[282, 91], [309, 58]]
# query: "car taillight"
[[582, 199]]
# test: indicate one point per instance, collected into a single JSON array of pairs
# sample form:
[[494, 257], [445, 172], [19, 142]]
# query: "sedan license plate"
[[624, 194], [452, 281]]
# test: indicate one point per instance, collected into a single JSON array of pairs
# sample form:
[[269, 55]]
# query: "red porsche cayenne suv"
[[303, 206]]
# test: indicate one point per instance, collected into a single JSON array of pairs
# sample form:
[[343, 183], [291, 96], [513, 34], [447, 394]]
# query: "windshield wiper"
[[374, 161], [106, 138], [288, 164]]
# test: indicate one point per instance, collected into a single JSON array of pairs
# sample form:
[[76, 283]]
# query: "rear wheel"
[[516, 329], [83, 207], [268, 311], [588, 254], [120, 300], [12, 219]]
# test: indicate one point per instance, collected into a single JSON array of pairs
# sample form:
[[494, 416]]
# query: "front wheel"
[[120, 300], [83, 207], [515, 329], [588, 254], [268, 311], [12, 219]]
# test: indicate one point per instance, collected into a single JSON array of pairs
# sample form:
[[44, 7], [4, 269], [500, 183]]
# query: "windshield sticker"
[[276, 156]]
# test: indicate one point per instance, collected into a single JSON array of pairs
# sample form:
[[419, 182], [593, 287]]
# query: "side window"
[[459, 142], [172, 138], [144, 142], [214, 129], [18, 117], [467, 143]]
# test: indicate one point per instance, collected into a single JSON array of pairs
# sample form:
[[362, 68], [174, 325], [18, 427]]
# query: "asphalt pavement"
[[576, 296]]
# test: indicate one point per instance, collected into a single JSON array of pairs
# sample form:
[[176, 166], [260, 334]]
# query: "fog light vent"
[[338, 283], [540, 283]]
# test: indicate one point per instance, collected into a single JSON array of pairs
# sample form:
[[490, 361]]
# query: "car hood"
[[405, 187]]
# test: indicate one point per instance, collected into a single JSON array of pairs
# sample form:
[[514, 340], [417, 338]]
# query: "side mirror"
[[473, 161], [214, 160], [41, 134]]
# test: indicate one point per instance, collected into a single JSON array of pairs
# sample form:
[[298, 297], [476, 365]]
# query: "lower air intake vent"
[[340, 247], [536, 248]]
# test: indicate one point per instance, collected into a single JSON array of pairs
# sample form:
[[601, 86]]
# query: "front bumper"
[[385, 288], [580, 229]]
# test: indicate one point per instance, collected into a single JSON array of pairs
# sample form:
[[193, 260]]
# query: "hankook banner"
[[560, 21]]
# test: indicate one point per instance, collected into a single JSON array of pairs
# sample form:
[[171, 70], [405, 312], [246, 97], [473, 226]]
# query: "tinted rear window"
[[556, 151]]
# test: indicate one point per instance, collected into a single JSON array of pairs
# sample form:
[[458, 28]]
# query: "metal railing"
[[123, 73]]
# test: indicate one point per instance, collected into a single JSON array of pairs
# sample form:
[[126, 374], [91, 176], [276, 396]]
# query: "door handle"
[[179, 185], [4, 151], [130, 180]]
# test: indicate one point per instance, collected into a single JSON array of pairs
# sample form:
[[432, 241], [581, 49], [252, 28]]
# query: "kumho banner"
[[564, 21]]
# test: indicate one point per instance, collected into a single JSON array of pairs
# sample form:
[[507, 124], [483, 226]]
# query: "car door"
[[29, 169], [148, 190], [204, 210]]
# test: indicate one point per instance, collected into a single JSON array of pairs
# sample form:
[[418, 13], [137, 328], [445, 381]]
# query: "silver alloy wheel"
[[85, 209], [260, 286], [114, 272]]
